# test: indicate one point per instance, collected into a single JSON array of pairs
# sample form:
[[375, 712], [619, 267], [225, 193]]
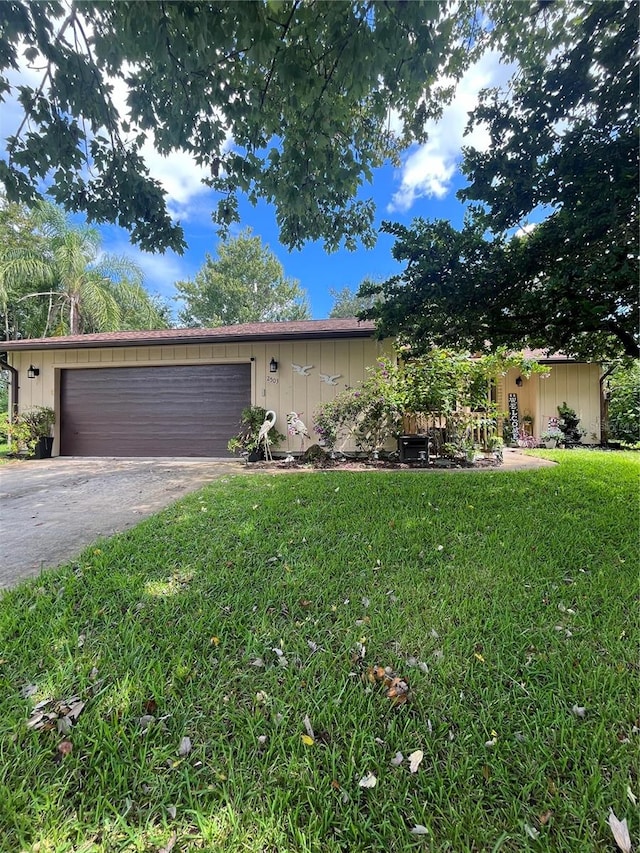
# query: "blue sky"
[[317, 271], [425, 185]]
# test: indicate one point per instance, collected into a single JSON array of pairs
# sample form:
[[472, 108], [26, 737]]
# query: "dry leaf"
[[631, 796], [307, 740], [419, 829], [368, 781], [185, 747], [308, 727], [531, 831], [262, 739], [414, 760], [28, 690], [579, 711], [257, 662], [63, 725], [65, 747], [478, 657], [171, 843], [215, 641], [620, 832], [397, 759], [172, 812], [545, 817], [146, 720]]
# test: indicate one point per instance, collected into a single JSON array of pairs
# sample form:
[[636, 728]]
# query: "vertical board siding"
[[282, 392], [578, 386]]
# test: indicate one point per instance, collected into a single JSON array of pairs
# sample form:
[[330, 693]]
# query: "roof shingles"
[[287, 330]]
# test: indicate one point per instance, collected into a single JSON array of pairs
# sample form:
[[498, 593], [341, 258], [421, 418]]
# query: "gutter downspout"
[[4, 365]]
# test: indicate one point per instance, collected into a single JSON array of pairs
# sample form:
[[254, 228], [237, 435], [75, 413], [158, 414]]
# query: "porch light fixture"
[[273, 366], [32, 372], [519, 381]]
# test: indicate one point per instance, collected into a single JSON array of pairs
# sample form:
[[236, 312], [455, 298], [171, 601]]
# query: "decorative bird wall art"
[[303, 370], [329, 379]]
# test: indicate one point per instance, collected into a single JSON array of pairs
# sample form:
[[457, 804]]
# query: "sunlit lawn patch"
[[250, 618]]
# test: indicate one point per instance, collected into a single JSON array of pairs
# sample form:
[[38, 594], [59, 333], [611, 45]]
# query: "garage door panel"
[[189, 410]]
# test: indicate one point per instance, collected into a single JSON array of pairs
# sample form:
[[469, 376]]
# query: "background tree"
[[244, 284], [303, 90], [624, 402], [347, 303], [55, 280], [564, 150]]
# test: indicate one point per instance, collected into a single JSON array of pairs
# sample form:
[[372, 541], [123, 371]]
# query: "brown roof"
[[348, 327]]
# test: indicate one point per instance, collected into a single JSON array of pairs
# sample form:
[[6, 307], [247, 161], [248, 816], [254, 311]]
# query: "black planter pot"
[[256, 455], [44, 447]]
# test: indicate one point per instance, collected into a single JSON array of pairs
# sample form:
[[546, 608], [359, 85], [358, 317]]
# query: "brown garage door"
[[190, 410]]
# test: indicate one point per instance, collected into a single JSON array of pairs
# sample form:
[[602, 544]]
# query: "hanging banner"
[[514, 417]]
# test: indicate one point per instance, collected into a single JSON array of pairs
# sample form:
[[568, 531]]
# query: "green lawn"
[[507, 601]]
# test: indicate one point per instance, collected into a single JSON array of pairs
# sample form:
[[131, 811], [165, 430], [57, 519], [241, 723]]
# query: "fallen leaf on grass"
[[631, 796], [51, 713], [478, 657], [531, 831], [172, 811], [419, 829], [368, 781], [63, 724], [397, 689], [185, 747], [414, 760], [308, 727], [28, 690], [65, 747], [397, 759], [579, 711], [620, 832], [257, 662], [493, 741], [171, 843], [307, 740], [545, 817]]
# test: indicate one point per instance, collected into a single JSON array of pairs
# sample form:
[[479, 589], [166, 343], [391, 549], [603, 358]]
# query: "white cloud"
[[526, 229], [428, 169]]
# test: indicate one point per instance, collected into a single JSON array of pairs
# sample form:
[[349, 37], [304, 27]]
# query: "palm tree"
[[80, 288]]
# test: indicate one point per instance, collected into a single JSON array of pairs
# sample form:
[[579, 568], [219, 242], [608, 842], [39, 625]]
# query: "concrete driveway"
[[53, 508]]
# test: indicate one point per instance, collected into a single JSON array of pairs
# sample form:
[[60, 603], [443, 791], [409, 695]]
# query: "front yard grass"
[[507, 601]]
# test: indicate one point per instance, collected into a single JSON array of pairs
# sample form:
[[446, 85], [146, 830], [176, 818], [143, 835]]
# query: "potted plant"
[[41, 420], [37, 425], [552, 437], [570, 429], [246, 441]]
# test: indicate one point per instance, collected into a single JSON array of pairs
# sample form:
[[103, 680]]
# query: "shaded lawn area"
[[507, 601]]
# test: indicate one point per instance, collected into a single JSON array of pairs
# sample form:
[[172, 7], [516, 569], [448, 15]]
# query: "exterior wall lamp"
[[32, 372], [519, 381], [273, 366]]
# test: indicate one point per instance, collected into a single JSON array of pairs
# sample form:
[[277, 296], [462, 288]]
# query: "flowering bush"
[[441, 383], [370, 414]]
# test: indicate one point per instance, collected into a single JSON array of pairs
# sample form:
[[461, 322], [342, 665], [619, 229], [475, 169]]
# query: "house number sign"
[[514, 418]]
